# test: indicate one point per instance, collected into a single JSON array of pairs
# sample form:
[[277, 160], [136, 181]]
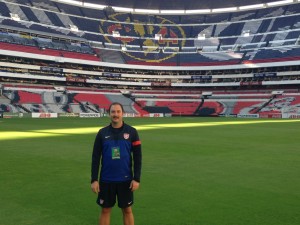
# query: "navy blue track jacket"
[[116, 147]]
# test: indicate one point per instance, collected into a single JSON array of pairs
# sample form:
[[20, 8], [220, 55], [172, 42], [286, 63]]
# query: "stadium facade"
[[59, 57]]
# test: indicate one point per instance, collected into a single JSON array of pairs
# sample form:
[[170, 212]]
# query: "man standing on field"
[[119, 148]]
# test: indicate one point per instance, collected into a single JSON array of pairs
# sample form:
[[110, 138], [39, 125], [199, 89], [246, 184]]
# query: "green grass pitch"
[[196, 171]]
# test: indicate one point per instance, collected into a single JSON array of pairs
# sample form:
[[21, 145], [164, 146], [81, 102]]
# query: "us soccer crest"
[[126, 135]]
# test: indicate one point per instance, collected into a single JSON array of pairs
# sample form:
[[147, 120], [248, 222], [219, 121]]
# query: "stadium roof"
[[177, 4]]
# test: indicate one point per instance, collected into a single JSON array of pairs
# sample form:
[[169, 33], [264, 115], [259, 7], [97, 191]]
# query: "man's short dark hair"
[[116, 103]]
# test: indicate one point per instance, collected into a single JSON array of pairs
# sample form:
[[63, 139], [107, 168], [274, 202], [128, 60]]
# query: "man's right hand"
[[95, 187]]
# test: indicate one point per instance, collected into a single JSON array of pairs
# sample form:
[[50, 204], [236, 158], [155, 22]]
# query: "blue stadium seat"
[[45, 4], [269, 54], [21, 2], [84, 24], [116, 16], [228, 41], [4, 37], [293, 34], [69, 9], [93, 13], [203, 29], [292, 9], [4, 11], [30, 15], [217, 18], [283, 23], [55, 20], [142, 18], [93, 37], [297, 22], [169, 19], [257, 38], [243, 16], [13, 24], [270, 12], [192, 19], [225, 30], [264, 26]]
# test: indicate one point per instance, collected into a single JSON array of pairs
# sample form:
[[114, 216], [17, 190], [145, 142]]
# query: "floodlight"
[[256, 6], [201, 37], [73, 28], [197, 11], [174, 12], [207, 93], [199, 49], [277, 92], [246, 33], [116, 33], [279, 2], [158, 37], [122, 9], [95, 6], [154, 11], [225, 9], [15, 17]]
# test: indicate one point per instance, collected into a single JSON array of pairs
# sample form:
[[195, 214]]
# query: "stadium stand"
[[53, 43], [77, 101], [265, 22]]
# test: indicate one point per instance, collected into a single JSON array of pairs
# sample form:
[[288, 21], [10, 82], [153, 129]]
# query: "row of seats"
[[44, 43], [192, 59], [50, 52], [288, 38], [171, 19], [37, 101], [44, 20]]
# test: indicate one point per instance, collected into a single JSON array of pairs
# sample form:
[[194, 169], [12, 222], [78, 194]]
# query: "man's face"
[[116, 114]]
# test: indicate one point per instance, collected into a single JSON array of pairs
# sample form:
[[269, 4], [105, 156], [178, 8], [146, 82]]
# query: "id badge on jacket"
[[115, 153]]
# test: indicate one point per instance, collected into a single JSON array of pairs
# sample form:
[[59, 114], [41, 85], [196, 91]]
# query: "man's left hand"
[[134, 185]]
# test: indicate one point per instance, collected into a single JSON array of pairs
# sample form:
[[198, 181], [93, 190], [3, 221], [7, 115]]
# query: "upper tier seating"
[[268, 28]]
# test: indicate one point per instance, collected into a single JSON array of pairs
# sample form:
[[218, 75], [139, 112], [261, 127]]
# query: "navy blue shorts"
[[109, 192]]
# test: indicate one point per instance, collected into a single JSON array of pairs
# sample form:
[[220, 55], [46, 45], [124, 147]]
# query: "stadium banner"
[[51, 69], [250, 83], [270, 115], [21, 115], [227, 115], [263, 75], [44, 115], [247, 115], [290, 116], [129, 115], [142, 115], [161, 84], [156, 115], [58, 88], [111, 75], [75, 79], [168, 114], [68, 114], [1, 115], [89, 115], [12, 115], [201, 77], [25, 115]]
